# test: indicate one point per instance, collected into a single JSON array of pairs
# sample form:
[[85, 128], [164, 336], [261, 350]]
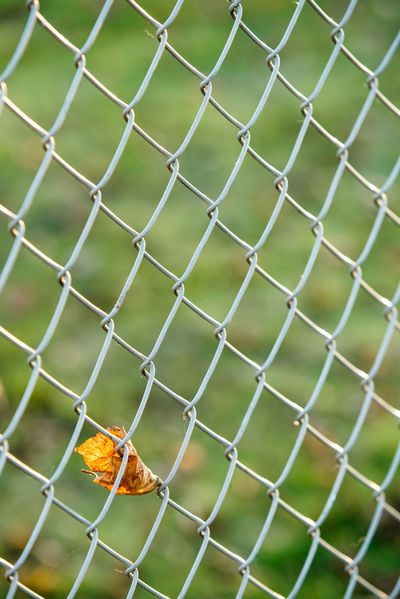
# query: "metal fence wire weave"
[[249, 577]]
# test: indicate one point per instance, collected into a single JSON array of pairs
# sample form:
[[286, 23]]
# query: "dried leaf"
[[104, 462]]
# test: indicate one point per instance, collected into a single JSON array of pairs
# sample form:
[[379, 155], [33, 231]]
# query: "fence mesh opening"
[[199, 242]]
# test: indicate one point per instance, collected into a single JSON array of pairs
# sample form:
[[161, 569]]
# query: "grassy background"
[[120, 58]]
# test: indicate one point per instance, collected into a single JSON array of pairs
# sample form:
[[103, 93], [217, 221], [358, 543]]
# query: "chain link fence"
[[275, 387]]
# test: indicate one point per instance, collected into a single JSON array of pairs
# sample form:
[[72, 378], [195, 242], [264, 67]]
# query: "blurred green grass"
[[87, 140]]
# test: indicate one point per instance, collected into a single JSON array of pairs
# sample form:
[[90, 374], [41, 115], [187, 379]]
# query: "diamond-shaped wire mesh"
[[198, 243]]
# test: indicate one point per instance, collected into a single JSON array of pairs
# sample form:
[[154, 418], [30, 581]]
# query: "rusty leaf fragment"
[[104, 462]]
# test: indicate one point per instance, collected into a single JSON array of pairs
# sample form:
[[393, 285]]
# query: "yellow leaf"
[[104, 462]]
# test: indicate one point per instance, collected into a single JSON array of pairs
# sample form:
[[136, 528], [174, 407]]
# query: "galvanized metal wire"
[[236, 12]]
